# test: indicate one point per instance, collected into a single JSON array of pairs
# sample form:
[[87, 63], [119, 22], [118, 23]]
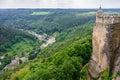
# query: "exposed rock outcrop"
[[106, 45]]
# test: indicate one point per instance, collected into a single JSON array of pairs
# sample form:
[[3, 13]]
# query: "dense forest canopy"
[[14, 42], [44, 20]]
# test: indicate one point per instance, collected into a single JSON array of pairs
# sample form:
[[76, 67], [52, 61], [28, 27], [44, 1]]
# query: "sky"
[[59, 3]]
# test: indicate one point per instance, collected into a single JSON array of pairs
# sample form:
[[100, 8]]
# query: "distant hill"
[[48, 20], [8, 34], [45, 20]]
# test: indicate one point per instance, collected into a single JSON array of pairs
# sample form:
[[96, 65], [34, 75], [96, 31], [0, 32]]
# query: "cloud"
[[58, 3]]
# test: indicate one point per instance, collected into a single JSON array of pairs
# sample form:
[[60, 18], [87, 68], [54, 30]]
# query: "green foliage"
[[62, 60], [10, 36], [19, 48], [63, 65], [118, 73], [15, 42], [7, 73], [84, 72], [45, 20], [21, 74], [106, 75], [66, 38]]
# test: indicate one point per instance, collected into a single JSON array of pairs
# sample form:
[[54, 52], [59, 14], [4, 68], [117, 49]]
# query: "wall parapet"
[[108, 18], [111, 15]]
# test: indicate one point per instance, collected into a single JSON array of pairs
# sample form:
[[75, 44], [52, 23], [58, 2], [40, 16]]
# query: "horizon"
[[60, 8], [73, 4]]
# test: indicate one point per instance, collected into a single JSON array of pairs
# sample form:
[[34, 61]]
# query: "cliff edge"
[[106, 45]]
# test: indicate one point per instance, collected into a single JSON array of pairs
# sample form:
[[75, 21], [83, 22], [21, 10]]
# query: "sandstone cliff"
[[106, 45]]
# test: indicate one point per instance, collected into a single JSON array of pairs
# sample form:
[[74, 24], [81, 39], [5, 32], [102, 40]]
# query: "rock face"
[[106, 45]]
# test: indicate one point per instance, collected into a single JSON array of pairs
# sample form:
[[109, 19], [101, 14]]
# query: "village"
[[18, 60]]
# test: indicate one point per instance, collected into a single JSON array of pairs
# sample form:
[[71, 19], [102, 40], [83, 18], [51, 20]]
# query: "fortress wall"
[[106, 45], [108, 19]]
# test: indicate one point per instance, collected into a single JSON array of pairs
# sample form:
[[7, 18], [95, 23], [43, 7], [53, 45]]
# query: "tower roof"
[[100, 8]]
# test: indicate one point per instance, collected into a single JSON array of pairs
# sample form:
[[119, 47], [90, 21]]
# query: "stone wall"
[[108, 19]]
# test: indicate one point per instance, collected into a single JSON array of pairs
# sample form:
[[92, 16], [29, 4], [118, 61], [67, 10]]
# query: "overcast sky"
[[59, 3]]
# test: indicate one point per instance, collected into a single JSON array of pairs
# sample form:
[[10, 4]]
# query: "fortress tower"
[[99, 13], [106, 45]]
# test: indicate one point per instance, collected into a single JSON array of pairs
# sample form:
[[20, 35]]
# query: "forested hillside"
[[8, 34], [63, 60], [14, 42], [45, 20]]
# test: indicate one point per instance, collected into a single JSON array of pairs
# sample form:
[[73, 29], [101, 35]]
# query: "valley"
[[45, 38], [56, 44]]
